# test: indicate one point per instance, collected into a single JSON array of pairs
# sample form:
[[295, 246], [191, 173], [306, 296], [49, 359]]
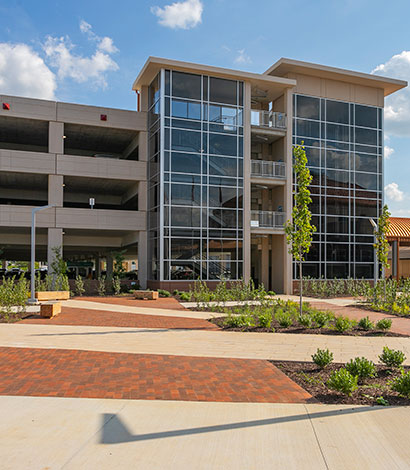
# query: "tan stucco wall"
[[337, 90]]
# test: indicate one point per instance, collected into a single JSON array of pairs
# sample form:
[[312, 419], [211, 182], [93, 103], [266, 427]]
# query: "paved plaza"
[[112, 383]]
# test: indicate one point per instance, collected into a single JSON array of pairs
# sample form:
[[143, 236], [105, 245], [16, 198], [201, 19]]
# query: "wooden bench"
[[42, 296], [50, 309], [146, 295]]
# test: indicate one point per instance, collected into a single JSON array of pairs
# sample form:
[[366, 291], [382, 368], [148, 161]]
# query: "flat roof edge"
[[157, 63], [285, 65]]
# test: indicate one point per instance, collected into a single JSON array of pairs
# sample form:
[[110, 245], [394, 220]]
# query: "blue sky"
[[90, 52]]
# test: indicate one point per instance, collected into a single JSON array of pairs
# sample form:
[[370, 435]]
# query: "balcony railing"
[[266, 219], [268, 119], [267, 169]]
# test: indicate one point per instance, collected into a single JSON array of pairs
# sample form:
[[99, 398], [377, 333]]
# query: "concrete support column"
[[288, 275], [56, 190], [265, 262], [247, 183], [142, 196], [144, 98], [55, 240], [97, 266], [143, 147], [110, 267], [143, 259], [55, 137]]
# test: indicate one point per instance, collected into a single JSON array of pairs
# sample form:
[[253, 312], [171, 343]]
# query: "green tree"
[[119, 258], [299, 231], [381, 244]]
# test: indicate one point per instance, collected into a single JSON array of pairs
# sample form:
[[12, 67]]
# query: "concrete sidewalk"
[[87, 304], [63, 433], [196, 343]]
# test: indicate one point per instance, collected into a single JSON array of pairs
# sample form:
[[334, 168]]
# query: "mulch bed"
[[313, 380], [220, 321]]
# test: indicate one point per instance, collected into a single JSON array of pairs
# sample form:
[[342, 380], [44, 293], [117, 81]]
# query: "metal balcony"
[[267, 219], [268, 119], [268, 169]]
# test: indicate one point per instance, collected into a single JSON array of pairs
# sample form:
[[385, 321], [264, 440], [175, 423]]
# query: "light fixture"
[[6, 106]]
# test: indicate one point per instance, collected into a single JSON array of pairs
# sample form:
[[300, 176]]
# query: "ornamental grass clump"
[[284, 319], [265, 319], [343, 381], [361, 367], [401, 384], [392, 358], [322, 358], [305, 320]]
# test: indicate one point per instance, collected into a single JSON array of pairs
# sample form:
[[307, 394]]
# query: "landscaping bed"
[[298, 329], [370, 391]]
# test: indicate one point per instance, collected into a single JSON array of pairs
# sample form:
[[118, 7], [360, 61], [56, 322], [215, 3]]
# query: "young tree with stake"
[[299, 231], [381, 244]]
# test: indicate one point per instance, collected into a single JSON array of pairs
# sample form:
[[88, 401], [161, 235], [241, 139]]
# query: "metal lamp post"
[[34, 211]]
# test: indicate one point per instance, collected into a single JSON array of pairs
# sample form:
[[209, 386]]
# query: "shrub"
[[321, 318], [305, 320], [392, 358], [284, 319], [101, 286], [361, 367], [366, 324], [164, 293], [265, 320], [239, 321], [382, 401], [342, 324], [116, 285], [185, 296], [401, 384], [322, 358], [13, 294], [384, 324], [79, 285], [342, 381]]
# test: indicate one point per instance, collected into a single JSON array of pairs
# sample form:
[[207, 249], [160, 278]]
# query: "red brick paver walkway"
[[87, 317], [163, 302], [89, 374], [399, 325]]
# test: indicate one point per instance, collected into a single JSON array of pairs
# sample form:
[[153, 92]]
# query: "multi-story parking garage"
[[197, 183]]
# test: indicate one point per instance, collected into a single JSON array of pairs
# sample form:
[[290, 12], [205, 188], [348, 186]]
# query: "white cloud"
[[388, 152], [180, 15], [85, 27], [24, 73], [397, 109], [393, 192], [61, 55], [105, 44], [242, 58]]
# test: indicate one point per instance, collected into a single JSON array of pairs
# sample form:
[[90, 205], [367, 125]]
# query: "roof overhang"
[[273, 85], [285, 66]]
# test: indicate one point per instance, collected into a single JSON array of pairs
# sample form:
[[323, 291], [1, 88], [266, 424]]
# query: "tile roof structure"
[[399, 229]]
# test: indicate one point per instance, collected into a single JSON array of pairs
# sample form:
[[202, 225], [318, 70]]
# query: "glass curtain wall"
[[344, 147], [196, 193]]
